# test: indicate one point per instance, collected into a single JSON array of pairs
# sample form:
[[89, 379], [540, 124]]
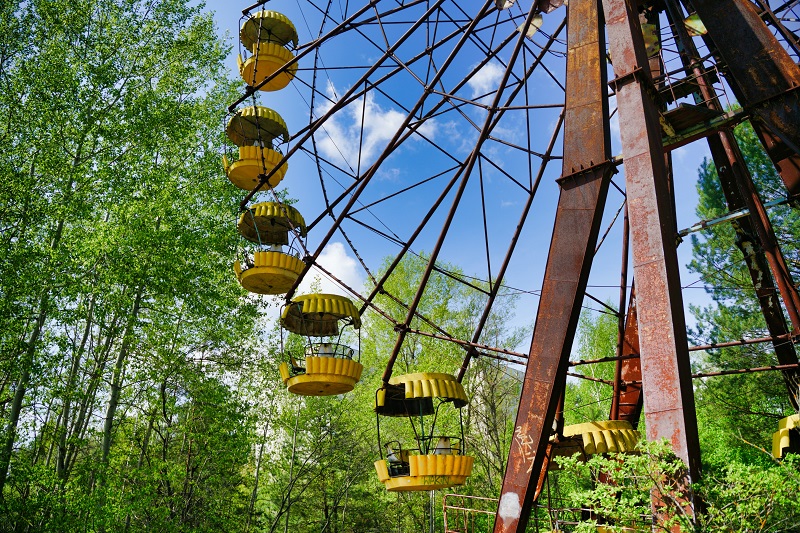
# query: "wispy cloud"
[[487, 79], [361, 130], [334, 259]]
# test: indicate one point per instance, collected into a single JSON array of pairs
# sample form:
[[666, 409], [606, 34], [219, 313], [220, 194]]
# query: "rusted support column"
[[584, 185], [767, 84], [629, 399], [737, 186], [732, 173], [666, 372]]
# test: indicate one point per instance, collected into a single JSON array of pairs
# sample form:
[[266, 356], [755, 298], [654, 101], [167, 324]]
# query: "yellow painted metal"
[[427, 472], [266, 61], [695, 25], [254, 161], [432, 385], [268, 26], [318, 315], [324, 376], [284, 371], [782, 439], [608, 436], [254, 124], [270, 223], [272, 273]]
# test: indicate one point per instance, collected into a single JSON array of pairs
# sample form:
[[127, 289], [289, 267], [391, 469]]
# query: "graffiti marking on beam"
[[527, 446]]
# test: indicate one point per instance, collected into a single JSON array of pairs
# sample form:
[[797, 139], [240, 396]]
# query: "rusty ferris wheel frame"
[[746, 42]]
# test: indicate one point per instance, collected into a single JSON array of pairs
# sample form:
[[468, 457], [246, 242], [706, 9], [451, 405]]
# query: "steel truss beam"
[[767, 85], [666, 373], [586, 175]]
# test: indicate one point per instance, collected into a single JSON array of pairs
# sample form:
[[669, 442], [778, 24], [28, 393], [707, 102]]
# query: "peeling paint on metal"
[[509, 507]]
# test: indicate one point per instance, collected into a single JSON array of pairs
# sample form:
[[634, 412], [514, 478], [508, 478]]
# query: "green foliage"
[[618, 488], [585, 400], [737, 497], [120, 321], [735, 410]]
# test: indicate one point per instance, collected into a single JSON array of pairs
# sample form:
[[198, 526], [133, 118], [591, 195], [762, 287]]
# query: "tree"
[[117, 241], [586, 400], [737, 409], [736, 497]]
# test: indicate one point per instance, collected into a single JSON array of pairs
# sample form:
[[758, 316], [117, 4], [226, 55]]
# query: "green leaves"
[[113, 194], [739, 497]]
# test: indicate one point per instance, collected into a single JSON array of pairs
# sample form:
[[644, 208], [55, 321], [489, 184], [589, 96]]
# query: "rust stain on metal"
[[584, 184], [767, 84]]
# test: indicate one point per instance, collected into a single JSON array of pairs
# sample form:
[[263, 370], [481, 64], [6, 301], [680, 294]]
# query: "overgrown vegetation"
[[735, 497], [138, 388]]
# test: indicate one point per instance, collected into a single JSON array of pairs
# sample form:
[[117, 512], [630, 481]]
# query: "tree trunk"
[[61, 464], [82, 421], [116, 383], [142, 455], [254, 494], [19, 393], [27, 357]]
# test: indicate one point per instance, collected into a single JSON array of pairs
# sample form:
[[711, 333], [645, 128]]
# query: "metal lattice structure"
[[424, 111]]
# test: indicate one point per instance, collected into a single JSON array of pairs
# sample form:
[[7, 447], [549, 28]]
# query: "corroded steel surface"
[[768, 83], [665, 365], [630, 397], [584, 185]]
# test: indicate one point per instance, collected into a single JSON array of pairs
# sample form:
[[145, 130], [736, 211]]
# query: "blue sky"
[[455, 131]]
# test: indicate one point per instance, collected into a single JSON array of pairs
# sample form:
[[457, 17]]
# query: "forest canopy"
[[139, 388]]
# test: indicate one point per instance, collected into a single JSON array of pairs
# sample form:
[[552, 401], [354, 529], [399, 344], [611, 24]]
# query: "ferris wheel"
[[480, 134]]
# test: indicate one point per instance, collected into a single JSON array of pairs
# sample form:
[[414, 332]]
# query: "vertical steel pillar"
[[629, 400], [584, 185], [666, 373]]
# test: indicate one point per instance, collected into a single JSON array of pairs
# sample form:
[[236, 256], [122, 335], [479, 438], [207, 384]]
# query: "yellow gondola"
[[271, 223], [270, 270], [590, 438], [254, 129], [583, 440], [268, 34], [787, 438], [329, 366], [438, 461]]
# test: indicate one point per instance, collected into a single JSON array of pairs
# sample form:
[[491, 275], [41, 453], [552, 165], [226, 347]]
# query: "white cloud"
[[388, 174], [342, 133], [487, 79], [334, 259]]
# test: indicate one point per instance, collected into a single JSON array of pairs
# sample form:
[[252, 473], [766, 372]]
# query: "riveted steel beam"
[[666, 372], [586, 175]]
